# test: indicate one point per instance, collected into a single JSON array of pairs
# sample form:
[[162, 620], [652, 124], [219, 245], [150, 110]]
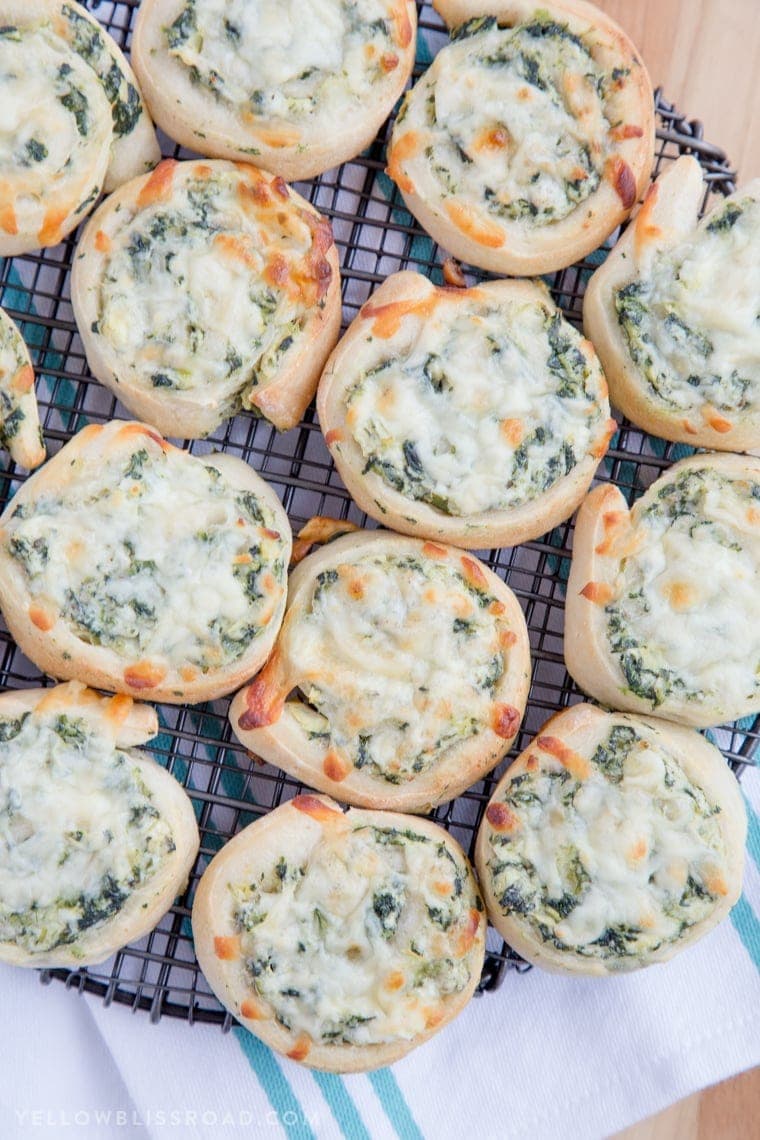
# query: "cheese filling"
[[366, 941], [613, 866], [516, 118], [79, 830], [55, 129], [17, 402], [155, 554], [691, 581], [692, 325], [65, 99], [401, 658], [301, 61], [202, 295], [479, 410], [93, 45]]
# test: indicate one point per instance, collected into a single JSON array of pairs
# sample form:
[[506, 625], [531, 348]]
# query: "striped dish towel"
[[544, 1057]]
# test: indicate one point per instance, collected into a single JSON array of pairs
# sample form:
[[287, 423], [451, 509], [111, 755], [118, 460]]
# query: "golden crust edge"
[[417, 519], [283, 400], [282, 742], [350, 1058], [702, 763], [224, 141], [587, 657], [98, 666], [677, 195], [134, 921]]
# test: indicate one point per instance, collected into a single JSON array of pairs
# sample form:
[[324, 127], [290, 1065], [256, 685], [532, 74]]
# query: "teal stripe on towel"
[[286, 1108], [342, 1106], [748, 928], [753, 832], [394, 1105]]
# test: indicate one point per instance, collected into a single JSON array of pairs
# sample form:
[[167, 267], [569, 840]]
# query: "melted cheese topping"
[[514, 120], [19, 418], [612, 866], [55, 133], [683, 623], [364, 943], [314, 62], [696, 344], [79, 830], [207, 290], [401, 657], [152, 554], [67, 103], [479, 409]]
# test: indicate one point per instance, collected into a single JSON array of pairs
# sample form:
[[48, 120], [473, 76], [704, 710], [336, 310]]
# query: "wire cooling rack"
[[375, 237]]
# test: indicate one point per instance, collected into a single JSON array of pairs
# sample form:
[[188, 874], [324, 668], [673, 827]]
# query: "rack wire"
[[375, 236]]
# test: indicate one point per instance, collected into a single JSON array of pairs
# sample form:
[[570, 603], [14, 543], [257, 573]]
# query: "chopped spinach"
[[630, 305], [11, 424], [76, 102], [86, 39], [136, 467], [461, 625], [250, 505], [550, 29], [513, 900], [412, 462], [341, 1030], [694, 889], [434, 372], [725, 219], [387, 906], [566, 361], [645, 679], [112, 81], [685, 336], [35, 151], [363, 755], [126, 111], [183, 27], [473, 27], [325, 579], [34, 555], [105, 905], [562, 906], [440, 917], [72, 731], [617, 939], [10, 727], [397, 836], [492, 674], [611, 755]]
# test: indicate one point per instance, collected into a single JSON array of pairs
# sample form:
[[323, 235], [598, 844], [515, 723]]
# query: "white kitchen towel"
[[543, 1058]]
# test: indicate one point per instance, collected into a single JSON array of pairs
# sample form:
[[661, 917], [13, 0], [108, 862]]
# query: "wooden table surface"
[[706, 56]]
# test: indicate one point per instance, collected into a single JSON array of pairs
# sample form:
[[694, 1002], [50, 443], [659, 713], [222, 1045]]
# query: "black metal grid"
[[375, 236]]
